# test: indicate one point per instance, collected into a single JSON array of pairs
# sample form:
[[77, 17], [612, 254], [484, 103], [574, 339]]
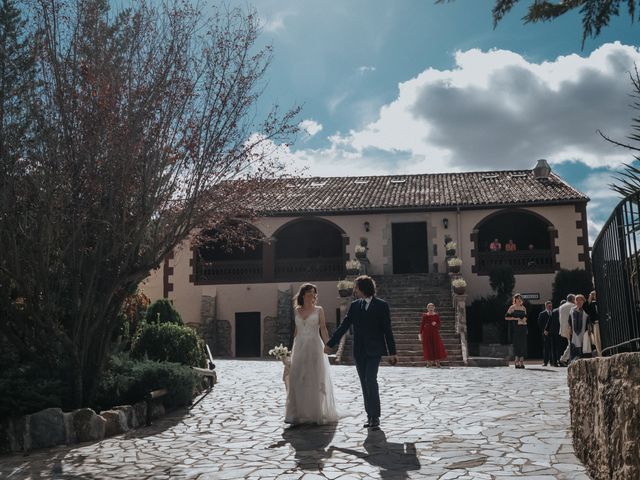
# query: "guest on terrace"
[[495, 246], [510, 246]]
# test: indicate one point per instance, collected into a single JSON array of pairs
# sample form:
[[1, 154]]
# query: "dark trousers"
[[551, 349], [368, 372]]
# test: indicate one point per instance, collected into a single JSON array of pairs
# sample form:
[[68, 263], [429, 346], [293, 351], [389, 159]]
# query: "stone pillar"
[[208, 320], [284, 323], [460, 307], [269, 260], [605, 415]]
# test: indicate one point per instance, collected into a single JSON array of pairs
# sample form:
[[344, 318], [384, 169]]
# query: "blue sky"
[[407, 86]]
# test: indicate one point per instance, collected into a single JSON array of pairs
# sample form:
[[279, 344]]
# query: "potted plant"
[[345, 288], [361, 251], [454, 264], [459, 286], [363, 241], [353, 267], [450, 247]]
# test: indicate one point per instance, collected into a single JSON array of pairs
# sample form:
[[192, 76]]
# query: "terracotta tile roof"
[[437, 191]]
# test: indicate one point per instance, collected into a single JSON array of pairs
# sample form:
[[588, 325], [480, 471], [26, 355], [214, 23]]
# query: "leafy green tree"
[[140, 117], [502, 282], [570, 281], [596, 14]]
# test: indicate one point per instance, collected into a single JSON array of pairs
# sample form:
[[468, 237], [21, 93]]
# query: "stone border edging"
[[52, 426]]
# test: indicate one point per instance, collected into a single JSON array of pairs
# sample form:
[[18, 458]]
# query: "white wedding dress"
[[310, 397]]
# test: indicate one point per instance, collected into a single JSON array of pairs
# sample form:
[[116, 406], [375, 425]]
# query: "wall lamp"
[[366, 226], [445, 222]]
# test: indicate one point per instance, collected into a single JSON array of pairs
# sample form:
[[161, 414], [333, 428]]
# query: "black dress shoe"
[[374, 423]]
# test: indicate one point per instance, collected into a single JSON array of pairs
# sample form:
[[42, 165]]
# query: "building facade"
[[309, 227]]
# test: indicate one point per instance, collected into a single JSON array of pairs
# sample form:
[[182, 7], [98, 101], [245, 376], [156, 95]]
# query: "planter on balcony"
[[454, 268], [353, 271], [459, 290]]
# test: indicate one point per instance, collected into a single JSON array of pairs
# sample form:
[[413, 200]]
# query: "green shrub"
[[570, 281], [168, 342], [127, 381], [162, 311], [502, 281], [28, 385]]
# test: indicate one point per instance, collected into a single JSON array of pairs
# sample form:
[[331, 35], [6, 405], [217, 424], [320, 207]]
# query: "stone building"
[[309, 228]]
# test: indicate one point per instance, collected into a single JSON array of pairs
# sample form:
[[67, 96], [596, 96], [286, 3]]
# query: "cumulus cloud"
[[366, 68], [311, 127], [495, 110]]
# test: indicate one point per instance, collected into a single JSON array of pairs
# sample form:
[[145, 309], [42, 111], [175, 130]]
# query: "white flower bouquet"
[[352, 264], [283, 354], [454, 262], [280, 352], [451, 246]]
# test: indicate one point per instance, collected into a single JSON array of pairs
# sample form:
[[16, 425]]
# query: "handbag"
[[586, 342]]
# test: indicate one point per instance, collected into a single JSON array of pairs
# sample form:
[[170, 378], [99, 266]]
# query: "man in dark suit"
[[372, 338], [555, 340], [547, 346]]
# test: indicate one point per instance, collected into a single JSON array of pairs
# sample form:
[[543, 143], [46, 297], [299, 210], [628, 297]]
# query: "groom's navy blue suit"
[[372, 338]]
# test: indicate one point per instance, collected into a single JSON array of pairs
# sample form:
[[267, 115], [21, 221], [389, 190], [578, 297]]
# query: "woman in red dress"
[[432, 346]]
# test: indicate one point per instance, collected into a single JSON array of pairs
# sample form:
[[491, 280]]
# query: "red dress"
[[432, 346]]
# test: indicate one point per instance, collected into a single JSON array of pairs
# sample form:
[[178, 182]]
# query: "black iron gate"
[[616, 270]]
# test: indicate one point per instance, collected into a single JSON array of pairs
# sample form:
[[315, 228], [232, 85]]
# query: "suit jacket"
[[553, 324], [372, 335], [564, 313], [543, 319]]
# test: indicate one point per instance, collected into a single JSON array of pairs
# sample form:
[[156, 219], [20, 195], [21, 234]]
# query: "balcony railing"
[[229, 271], [300, 269], [526, 261]]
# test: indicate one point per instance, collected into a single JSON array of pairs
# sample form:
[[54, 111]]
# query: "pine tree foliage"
[[596, 14]]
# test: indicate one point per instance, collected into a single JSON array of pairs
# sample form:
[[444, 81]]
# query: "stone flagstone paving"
[[449, 423]]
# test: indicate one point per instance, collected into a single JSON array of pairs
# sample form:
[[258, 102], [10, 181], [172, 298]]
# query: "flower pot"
[[451, 253], [352, 271], [361, 255], [345, 292], [454, 268], [459, 290]]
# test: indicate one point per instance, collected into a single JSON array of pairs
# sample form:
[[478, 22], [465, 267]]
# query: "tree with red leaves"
[[137, 118]]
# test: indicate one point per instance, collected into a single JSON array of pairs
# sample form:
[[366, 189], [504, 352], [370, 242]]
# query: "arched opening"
[[521, 239], [229, 254], [311, 249]]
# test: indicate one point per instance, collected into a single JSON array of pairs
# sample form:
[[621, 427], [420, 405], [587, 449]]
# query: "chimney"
[[541, 170]]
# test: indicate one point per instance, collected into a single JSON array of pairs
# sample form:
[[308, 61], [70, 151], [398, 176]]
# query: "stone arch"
[[533, 234], [310, 246]]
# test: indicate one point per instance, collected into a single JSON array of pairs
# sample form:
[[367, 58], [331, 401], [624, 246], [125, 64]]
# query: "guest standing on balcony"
[[518, 314], [495, 246], [510, 246], [432, 347]]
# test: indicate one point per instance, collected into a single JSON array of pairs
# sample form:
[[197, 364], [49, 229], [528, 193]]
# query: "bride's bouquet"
[[283, 354]]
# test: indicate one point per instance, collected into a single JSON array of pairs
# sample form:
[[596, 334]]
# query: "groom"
[[372, 338]]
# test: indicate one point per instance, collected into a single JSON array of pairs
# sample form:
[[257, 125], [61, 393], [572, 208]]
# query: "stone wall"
[[605, 415], [208, 319]]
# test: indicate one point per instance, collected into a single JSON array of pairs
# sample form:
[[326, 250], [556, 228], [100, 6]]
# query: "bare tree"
[[140, 117]]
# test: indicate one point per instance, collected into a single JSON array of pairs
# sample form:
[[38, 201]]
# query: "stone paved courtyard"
[[450, 423]]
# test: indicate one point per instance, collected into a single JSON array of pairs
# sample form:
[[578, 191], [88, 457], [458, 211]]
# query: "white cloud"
[[311, 127], [494, 110], [276, 22], [366, 68]]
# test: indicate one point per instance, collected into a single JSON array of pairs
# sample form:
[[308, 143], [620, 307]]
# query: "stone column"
[[284, 323]]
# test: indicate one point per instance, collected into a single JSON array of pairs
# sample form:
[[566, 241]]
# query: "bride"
[[310, 396]]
